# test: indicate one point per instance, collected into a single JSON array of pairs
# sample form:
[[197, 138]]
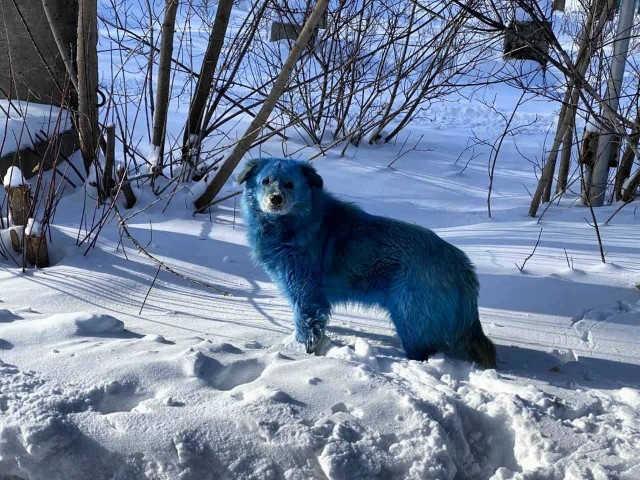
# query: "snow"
[[33, 228], [13, 178], [26, 121], [106, 373], [153, 158]]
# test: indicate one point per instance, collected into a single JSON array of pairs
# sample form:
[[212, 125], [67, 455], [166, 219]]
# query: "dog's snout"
[[276, 199]]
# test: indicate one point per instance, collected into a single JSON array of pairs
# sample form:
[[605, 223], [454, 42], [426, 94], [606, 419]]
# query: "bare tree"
[[193, 128], [214, 185], [163, 87]]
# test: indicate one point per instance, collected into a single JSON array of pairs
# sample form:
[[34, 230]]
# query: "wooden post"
[[109, 163], [129, 196]]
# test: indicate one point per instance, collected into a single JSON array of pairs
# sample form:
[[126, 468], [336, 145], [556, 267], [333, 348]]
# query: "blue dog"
[[322, 251]]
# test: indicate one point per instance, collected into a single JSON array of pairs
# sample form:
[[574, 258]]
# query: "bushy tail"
[[482, 350]]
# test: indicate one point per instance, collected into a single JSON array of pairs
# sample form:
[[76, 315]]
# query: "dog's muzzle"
[[274, 202]]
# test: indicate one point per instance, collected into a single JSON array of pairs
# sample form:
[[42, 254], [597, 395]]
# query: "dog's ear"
[[250, 168], [313, 178]]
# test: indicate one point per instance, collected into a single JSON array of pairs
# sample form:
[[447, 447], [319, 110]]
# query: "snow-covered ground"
[[109, 373], [201, 385]]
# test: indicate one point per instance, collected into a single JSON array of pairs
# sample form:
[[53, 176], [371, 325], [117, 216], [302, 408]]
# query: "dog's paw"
[[314, 341], [323, 346]]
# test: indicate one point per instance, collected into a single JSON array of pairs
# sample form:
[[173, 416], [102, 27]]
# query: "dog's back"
[[428, 286]]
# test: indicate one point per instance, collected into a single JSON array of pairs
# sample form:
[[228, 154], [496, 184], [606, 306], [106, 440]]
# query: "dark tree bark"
[[205, 80], [164, 81]]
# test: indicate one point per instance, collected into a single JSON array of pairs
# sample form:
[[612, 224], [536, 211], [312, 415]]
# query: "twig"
[[619, 208], [163, 265], [531, 254], [570, 265], [149, 291], [593, 215]]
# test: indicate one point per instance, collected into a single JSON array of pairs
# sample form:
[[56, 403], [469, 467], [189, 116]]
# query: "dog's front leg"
[[311, 310]]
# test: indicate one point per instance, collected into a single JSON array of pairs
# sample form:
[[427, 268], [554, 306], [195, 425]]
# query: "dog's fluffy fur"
[[322, 251]]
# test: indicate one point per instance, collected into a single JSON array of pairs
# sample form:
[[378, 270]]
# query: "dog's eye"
[[266, 181], [289, 185]]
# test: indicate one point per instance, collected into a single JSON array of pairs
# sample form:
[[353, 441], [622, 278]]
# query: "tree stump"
[[129, 196], [19, 198], [16, 243], [37, 251]]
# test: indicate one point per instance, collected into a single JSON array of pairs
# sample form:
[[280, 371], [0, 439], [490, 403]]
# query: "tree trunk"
[[630, 186], [582, 62], [565, 158], [88, 81], [600, 174], [164, 83], [205, 80], [625, 169], [214, 185]]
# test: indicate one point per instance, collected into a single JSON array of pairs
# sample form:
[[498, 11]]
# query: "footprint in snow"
[[7, 316], [220, 376]]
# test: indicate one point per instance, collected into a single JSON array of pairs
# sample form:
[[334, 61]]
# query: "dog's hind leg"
[[415, 329], [481, 350]]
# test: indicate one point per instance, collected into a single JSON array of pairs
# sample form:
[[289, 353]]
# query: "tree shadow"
[[586, 372], [548, 295]]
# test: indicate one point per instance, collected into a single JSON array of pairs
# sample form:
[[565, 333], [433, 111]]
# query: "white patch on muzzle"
[[267, 206]]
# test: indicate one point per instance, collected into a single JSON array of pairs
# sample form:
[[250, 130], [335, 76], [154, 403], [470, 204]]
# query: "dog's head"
[[278, 186]]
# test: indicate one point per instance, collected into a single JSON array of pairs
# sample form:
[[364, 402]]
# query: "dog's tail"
[[481, 350]]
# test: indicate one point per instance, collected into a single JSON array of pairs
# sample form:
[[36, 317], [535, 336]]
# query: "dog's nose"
[[276, 199]]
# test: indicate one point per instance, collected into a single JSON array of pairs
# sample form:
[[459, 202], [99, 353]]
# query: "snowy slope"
[[201, 385]]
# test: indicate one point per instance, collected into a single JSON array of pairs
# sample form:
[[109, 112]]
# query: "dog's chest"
[[273, 242]]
